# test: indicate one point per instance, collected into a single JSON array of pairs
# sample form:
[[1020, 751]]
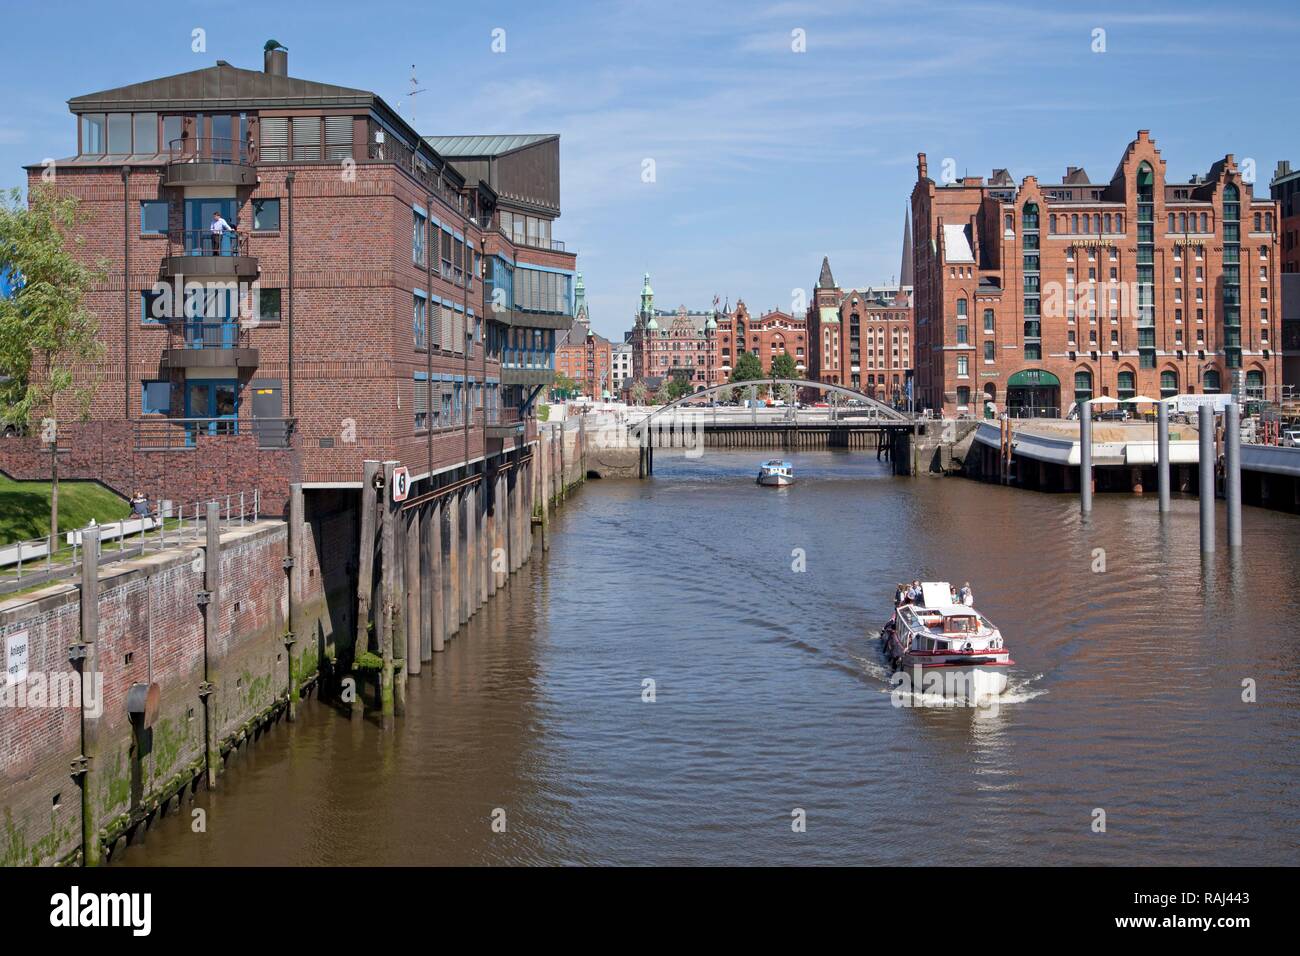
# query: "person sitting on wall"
[[139, 505]]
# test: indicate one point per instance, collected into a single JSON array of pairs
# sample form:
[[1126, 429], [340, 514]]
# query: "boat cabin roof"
[[776, 463]]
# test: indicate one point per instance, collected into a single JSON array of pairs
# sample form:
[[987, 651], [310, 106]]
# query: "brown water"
[[772, 694]]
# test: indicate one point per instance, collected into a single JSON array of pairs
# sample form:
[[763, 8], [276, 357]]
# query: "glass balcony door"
[[199, 238], [216, 400]]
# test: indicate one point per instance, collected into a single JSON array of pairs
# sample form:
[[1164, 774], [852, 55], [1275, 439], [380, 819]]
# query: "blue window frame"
[[156, 398], [153, 217]]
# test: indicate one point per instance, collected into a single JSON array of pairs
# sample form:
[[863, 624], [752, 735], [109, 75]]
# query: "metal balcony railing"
[[208, 149], [180, 434], [202, 334], [527, 358], [205, 242]]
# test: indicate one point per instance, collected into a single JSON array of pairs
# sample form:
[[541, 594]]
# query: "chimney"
[[275, 61]]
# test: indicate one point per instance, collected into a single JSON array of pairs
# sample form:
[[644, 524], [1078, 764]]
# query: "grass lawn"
[[25, 507]]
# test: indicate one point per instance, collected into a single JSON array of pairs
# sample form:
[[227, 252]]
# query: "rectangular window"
[[119, 132], [419, 323], [156, 397], [989, 351], [146, 133], [153, 307], [93, 134], [171, 132], [338, 137], [268, 305], [153, 217], [266, 215], [275, 139], [418, 230], [306, 137], [963, 366], [421, 403]]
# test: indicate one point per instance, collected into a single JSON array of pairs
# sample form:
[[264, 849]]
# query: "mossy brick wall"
[[151, 627]]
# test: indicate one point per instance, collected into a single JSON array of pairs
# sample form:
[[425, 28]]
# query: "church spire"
[[826, 280], [905, 269]]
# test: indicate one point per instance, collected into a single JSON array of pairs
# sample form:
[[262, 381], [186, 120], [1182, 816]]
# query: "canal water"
[[754, 611]]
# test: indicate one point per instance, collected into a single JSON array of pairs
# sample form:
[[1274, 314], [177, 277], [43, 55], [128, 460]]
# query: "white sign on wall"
[[16, 652]]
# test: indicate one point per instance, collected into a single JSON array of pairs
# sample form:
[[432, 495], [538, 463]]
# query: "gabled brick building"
[[1036, 296]]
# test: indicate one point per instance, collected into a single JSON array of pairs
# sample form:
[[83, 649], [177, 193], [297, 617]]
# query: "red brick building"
[[771, 334], [583, 355], [1039, 295], [1285, 189], [863, 338], [378, 296], [668, 344]]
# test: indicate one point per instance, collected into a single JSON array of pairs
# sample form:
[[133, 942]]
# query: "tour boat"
[[940, 632], [776, 473]]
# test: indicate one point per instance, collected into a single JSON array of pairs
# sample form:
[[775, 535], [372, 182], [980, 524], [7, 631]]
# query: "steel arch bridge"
[[877, 411]]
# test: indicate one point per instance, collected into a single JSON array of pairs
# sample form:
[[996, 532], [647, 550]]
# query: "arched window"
[[1082, 385], [1210, 381], [1205, 222], [1119, 222], [1268, 221], [1029, 217], [1255, 385], [1168, 384], [1074, 223], [1108, 222], [1096, 222], [1231, 193], [1009, 222], [1126, 387], [1173, 222], [1182, 222], [1051, 224], [1087, 224], [1259, 222]]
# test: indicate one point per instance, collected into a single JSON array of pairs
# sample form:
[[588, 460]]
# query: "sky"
[[723, 147]]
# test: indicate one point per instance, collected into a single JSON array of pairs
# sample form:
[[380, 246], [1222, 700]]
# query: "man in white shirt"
[[219, 227]]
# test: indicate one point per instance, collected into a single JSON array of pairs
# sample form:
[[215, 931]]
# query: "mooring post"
[[1232, 472], [462, 559], [365, 577], [492, 505], [1085, 457], [387, 598], [1205, 425], [297, 558], [1162, 454], [427, 618], [484, 556], [438, 631], [211, 601], [90, 721], [414, 593]]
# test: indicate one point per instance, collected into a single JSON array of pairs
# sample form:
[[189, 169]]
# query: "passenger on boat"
[[967, 596], [914, 593], [900, 595]]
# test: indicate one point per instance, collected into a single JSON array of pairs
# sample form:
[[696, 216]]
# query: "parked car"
[[1291, 438]]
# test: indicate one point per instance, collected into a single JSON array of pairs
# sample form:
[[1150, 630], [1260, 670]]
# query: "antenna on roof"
[[416, 89]]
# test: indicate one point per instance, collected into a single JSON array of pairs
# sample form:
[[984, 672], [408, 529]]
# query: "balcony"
[[202, 344], [209, 162], [199, 253], [184, 434], [505, 423], [517, 318], [521, 366]]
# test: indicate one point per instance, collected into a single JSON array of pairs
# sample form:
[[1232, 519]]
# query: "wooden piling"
[[212, 638], [297, 559], [91, 854]]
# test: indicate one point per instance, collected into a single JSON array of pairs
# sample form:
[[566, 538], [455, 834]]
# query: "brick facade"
[[1033, 296]]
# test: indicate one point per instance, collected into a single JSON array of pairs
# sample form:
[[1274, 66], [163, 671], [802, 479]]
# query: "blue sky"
[[765, 159]]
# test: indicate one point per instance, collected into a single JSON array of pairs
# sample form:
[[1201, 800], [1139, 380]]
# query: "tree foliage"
[[48, 338], [747, 368]]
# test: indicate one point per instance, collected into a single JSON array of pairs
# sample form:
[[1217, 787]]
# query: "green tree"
[[639, 392], [747, 368], [563, 386], [783, 366], [677, 388], [48, 338]]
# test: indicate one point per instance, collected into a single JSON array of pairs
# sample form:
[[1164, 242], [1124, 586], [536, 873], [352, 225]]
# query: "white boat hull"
[[775, 481]]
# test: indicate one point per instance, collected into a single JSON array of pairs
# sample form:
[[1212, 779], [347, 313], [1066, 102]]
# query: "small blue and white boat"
[[776, 473]]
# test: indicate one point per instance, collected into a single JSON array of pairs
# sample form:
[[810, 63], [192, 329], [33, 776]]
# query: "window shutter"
[[275, 139], [306, 137], [338, 137], [421, 403], [446, 340]]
